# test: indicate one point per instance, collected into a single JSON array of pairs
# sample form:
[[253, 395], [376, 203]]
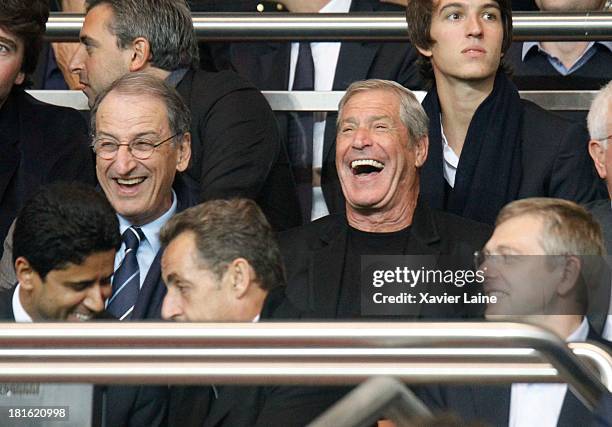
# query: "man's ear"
[[421, 149], [140, 54], [571, 273], [20, 78], [184, 152], [425, 52], [25, 273], [240, 275], [597, 150]]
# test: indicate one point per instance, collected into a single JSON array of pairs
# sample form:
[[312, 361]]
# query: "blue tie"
[[300, 128], [126, 280]]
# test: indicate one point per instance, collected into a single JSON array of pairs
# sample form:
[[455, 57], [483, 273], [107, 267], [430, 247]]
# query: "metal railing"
[[293, 353], [328, 101], [354, 26]]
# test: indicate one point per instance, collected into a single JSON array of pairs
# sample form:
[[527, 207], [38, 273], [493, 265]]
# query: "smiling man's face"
[[376, 161], [139, 190]]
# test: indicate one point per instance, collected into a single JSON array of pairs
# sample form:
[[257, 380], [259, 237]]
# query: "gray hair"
[[146, 85], [411, 112], [597, 120], [166, 24]]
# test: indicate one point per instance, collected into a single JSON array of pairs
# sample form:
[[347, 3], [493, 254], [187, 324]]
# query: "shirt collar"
[[337, 6], [528, 46], [581, 333], [175, 77], [21, 316], [151, 230]]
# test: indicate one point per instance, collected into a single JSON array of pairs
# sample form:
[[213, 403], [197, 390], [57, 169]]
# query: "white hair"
[[597, 120]]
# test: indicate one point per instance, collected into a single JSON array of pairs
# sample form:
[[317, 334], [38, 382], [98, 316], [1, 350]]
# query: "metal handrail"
[[567, 100], [290, 353], [354, 26]]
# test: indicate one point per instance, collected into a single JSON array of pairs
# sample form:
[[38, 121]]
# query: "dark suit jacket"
[[599, 292], [491, 404], [248, 406], [314, 255], [235, 146], [45, 144], [125, 406], [266, 65], [602, 212], [555, 161]]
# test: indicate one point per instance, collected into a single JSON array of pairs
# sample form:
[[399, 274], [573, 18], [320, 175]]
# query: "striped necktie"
[[126, 280]]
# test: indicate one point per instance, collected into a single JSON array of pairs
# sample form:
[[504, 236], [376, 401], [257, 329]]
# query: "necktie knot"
[[132, 237]]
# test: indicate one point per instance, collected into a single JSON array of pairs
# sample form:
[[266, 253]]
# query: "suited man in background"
[[236, 151], [319, 66], [539, 263], [40, 143], [599, 122], [222, 264]]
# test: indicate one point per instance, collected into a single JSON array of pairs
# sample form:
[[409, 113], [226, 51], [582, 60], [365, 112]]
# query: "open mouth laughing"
[[366, 167]]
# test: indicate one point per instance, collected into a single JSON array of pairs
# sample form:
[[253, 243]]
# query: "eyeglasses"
[[498, 261], [604, 139], [140, 148]]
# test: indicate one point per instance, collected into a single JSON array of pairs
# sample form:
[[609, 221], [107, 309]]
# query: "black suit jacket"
[[266, 65], [46, 143], [248, 406], [491, 404], [314, 255], [602, 212], [235, 146]]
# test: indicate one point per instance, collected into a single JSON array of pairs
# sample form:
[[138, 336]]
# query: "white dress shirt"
[[18, 311], [451, 159], [539, 405], [149, 247], [325, 57]]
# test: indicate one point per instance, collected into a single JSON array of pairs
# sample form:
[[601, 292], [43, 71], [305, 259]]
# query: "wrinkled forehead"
[[128, 113]]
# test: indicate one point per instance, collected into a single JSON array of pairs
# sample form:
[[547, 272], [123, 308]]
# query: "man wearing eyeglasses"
[[540, 264], [599, 123], [141, 140]]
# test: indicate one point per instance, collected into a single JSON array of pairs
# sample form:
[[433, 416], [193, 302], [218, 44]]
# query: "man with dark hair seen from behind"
[[40, 143], [487, 146], [222, 264], [235, 140]]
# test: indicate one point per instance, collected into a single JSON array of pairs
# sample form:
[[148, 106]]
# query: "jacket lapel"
[[326, 267], [151, 295], [229, 396]]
